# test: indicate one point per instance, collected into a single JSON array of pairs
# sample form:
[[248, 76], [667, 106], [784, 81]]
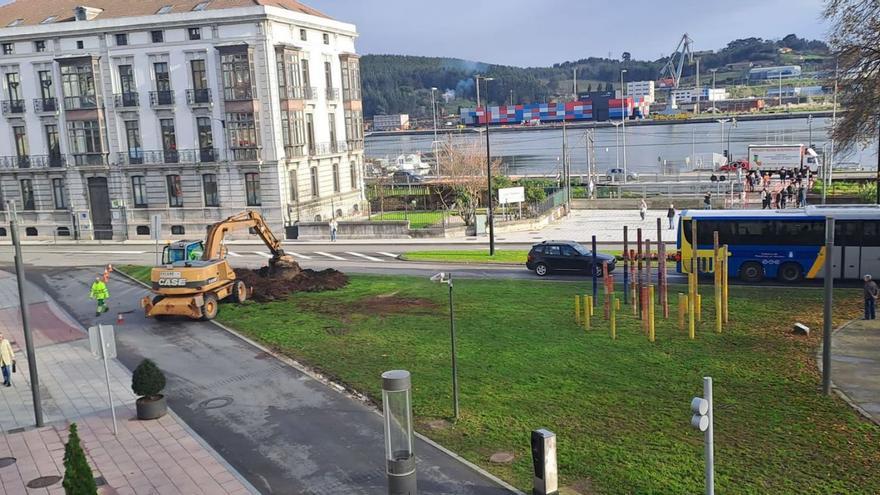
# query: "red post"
[[640, 260], [664, 294]]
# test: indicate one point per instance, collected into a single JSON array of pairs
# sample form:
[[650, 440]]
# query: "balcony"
[[198, 97], [98, 158], [338, 147], [45, 105], [355, 144], [329, 148], [88, 102], [238, 94], [161, 98], [13, 162], [310, 93], [156, 157], [126, 100], [295, 151], [349, 94], [13, 107], [245, 154], [55, 160], [292, 93], [332, 94]]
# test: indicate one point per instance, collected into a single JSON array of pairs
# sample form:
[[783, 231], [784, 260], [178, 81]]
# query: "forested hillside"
[[401, 84]]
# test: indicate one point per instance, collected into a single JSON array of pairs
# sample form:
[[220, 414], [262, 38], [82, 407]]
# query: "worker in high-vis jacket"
[[100, 293]]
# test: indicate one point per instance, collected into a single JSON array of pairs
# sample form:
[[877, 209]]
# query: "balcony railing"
[[199, 96], [245, 154], [55, 160], [139, 157], [332, 94], [45, 105], [123, 100], [238, 94], [338, 147], [310, 93], [292, 93], [15, 161], [355, 144], [349, 94], [161, 98], [89, 159], [295, 151], [13, 107], [88, 102], [328, 148]]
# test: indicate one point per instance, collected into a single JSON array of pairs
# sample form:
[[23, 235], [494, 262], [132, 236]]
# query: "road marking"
[[364, 256], [260, 253], [230, 253], [330, 255], [299, 255], [99, 252], [390, 255]]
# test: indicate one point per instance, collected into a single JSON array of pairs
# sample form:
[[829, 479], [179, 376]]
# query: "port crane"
[[670, 74]]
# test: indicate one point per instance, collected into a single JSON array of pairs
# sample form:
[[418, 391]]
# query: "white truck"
[[777, 156]]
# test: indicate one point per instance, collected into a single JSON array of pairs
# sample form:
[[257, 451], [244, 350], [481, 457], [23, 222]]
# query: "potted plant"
[[78, 477], [147, 381]]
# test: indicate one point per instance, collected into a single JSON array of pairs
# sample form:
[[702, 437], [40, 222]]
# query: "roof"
[[34, 12], [836, 211]]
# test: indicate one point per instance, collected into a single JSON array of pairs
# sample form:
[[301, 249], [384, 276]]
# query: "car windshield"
[[580, 249]]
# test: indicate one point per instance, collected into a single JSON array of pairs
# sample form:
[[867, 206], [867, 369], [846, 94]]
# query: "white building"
[[691, 95], [395, 122], [644, 89], [115, 110]]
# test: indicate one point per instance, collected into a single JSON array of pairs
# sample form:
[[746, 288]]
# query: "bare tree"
[[462, 163]]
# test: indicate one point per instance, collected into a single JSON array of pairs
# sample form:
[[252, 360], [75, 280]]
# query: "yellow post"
[[717, 270], [651, 313], [577, 309], [588, 306], [724, 255], [682, 309], [591, 303], [614, 307], [699, 307], [692, 284]]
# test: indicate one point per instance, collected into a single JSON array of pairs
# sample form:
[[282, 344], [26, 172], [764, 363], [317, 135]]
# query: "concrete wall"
[[633, 203], [391, 229]]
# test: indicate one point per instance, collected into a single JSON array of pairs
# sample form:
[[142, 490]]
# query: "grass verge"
[[620, 408], [468, 256]]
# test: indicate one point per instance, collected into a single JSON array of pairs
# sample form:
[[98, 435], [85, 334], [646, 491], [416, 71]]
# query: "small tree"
[[78, 477], [462, 164], [147, 380]]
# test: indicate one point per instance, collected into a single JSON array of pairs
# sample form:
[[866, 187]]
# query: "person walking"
[[643, 209], [783, 197], [670, 215], [334, 227], [765, 199], [707, 201], [871, 293], [101, 294], [802, 196], [7, 360]]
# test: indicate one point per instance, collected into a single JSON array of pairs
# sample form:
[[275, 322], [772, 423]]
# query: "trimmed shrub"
[[78, 477], [147, 380]]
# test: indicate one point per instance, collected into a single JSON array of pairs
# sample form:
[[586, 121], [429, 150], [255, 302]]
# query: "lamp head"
[[441, 277]]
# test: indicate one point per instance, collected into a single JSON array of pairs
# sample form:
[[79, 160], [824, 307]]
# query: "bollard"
[[591, 302], [588, 311], [692, 308], [699, 307], [614, 307], [617, 303], [724, 274], [577, 309], [651, 313], [682, 309]]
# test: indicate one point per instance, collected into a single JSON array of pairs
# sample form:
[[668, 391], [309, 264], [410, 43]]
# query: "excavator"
[[195, 275]]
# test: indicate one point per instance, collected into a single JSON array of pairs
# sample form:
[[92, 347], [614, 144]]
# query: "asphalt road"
[[280, 428]]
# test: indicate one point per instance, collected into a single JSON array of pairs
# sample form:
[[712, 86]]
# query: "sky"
[[543, 32]]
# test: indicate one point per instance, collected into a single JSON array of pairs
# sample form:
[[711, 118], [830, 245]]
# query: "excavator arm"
[[243, 220]]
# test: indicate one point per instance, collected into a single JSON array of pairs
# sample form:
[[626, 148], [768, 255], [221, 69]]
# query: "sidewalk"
[[147, 457], [855, 365]]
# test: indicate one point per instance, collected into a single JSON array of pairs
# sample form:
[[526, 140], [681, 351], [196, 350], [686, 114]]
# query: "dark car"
[[565, 255], [405, 177]]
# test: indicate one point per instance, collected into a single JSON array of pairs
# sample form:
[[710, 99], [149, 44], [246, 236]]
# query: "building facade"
[[642, 89], [114, 111], [395, 122]]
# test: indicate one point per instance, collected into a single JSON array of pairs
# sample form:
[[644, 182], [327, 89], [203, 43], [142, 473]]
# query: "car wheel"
[[541, 269], [751, 272], [210, 307], [790, 272]]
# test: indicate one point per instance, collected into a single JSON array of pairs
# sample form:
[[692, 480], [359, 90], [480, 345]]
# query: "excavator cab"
[[182, 251]]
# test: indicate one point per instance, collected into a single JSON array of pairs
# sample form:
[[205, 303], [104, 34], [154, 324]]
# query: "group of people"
[[793, 195]]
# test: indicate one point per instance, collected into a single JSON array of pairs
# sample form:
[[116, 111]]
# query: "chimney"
[[83, 13]]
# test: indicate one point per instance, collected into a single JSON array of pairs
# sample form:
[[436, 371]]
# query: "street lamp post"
[[446, 278], [729, 132], [434, 112], [623, 119], [722, 121], [616, 143], [713, 71], [780, 88], [489, 216]]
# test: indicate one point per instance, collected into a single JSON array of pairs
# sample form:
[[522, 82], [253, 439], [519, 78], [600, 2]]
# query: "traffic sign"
[[109, 341]]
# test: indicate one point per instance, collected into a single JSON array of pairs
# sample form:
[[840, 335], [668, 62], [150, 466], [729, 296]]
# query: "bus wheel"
[[790, 272], [751, 272]]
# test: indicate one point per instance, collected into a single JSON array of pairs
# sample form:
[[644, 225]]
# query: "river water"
[[647, 146]]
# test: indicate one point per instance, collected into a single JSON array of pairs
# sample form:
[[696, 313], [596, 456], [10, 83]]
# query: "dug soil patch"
[[281, 281]]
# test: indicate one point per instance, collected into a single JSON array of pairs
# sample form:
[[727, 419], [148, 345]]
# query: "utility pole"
[[25, 320], [489, 216], [829, 292], [780, 88], [810, 124], [566, 173], [697, 86], [574, 81], [830, 163], [477, 78], [434, 112], [713, 71], [623, 120]]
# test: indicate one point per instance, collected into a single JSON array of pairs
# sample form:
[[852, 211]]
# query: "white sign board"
[[155, 227], [109, 338], [774, 157], [511, 195]]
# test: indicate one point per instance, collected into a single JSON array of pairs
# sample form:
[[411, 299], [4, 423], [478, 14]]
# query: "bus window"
[[799, 233], [754, 232], [871, 233], [847, 233]]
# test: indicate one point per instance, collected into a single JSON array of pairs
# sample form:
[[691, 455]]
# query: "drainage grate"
[[43, 481], [16, 430], [6, 461], [100, 481]]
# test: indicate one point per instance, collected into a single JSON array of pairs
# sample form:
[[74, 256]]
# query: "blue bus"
[[787, 245]]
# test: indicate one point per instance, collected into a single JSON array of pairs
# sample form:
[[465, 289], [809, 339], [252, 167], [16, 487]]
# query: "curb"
[[347, 391], [840, 392]]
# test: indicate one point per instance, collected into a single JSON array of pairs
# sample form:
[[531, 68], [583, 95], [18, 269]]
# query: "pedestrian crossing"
[[375, 257]]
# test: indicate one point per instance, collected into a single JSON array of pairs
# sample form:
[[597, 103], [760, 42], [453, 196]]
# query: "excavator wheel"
[[210, 307], [239, 292]]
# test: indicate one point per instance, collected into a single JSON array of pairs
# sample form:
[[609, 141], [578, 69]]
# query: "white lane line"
[[260, 253], [236, 255], [364, 256], [99, 252], [390, 255], [299, 255], [330, 255]]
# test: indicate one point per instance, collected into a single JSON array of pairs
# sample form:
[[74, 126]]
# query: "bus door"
[[848, 256], [870, 248]]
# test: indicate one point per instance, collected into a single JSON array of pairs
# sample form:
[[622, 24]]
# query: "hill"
[[401, 83]]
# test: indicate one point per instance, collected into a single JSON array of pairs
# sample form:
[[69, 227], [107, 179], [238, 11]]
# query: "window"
[[568, 251], [236, 69], [133, 138], [353, 171], [78, 83], [19, 136], [139, 191], [314, 179], [303, 35], [58, 194], [49, 19], [15, 23], [53, 145], [294, 186], [331, 119], [201, 6], [127, 85], [45, 77], [306, 80], [206, 138], [326, 39], [121, 39], [335, 177], [252, 188], [8, 48], [310, 132], [39, 46], [199, 74], [27, 194], [242, 131], [142, 230], [30, 231], [163, 77], [165, 9], [63, 232], [157, 36], [169, 140], [552, 251], [80, 45], [209, 186], [194, 33], [871, 233], [328, 75], [177, 230], [175, 191], [13, 86]]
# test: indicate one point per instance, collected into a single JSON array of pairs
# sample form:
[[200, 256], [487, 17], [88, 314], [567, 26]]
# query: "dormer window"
[[84, 13], [49, 20], [15, 23], [200, 7], [164, 10]]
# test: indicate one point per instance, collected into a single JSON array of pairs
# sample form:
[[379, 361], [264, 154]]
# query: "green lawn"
[[417, 219], [141, 273], [620, 408], [468, 256]]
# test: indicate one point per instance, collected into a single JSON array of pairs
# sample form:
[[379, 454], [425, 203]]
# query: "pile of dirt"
[[287, 277]]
